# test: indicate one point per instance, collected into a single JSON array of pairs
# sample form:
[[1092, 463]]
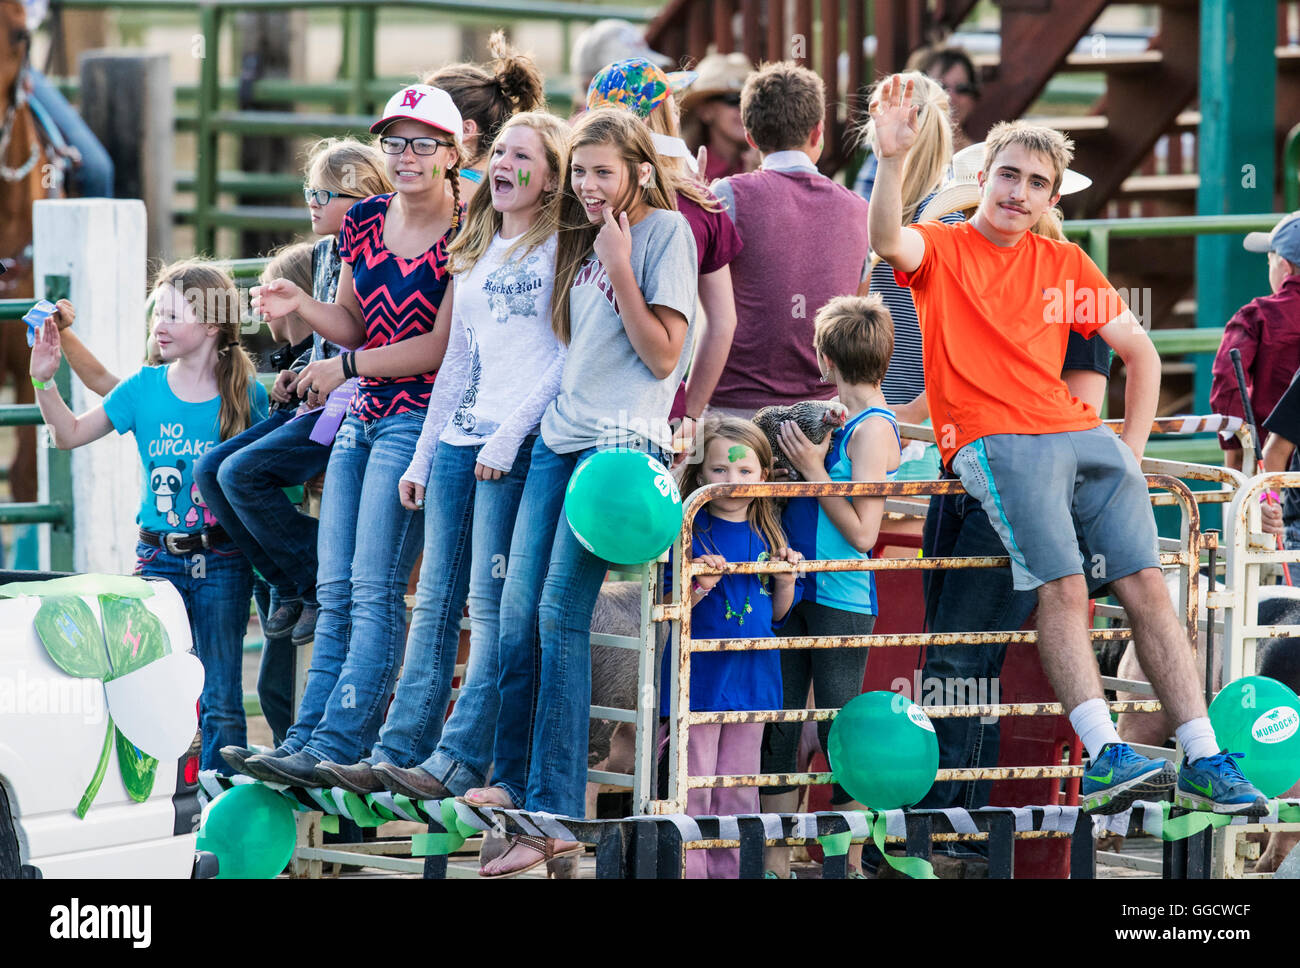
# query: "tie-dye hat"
[[636, 85]]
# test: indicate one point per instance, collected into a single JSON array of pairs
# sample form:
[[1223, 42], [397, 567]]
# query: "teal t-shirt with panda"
[[171, 435]]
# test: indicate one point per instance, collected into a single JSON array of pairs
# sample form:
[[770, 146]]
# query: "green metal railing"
[[359, 90]]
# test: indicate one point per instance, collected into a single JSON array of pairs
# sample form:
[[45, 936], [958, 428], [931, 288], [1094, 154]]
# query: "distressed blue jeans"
[[367, 546], [467, 531]]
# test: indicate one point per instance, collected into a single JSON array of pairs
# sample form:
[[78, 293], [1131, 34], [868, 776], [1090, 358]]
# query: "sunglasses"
[[393, 145], [970, 90], [322, 196], [731, 100]]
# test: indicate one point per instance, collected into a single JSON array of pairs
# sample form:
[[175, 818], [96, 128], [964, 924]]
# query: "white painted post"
[[99, 244]]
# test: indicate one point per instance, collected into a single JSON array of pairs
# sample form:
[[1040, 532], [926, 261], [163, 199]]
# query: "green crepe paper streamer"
[[137, 769], [380, 809], [329, 823], [120, 585], [134, 635], [451, 820], [836, 845], [360, 813], [71, 635], [100, 770], [1178, 828], [437, 845], [327, 795], [406, 803], [914, 867]]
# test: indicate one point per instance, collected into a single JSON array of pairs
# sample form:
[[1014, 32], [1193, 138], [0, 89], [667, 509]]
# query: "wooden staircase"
[[1137, 141]]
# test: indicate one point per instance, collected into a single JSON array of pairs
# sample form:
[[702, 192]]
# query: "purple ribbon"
[[336, 408]]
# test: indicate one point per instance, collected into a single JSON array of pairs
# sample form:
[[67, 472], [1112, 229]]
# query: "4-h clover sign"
[[150, 690]]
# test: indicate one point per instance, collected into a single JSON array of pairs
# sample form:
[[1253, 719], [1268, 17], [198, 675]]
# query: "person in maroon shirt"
[[1266, 330], [711, 116]]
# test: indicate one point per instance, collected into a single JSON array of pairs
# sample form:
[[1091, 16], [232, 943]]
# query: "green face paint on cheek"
[[737, 453], [524, 177]]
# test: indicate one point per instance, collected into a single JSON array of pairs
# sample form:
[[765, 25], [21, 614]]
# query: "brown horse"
[[25, 176]]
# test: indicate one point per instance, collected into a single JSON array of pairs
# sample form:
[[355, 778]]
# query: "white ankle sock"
[[1196, 736], [1091, 720]]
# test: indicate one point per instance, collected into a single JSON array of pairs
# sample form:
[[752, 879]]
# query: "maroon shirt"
[[1267, 331], [716, 238], [805, 243]]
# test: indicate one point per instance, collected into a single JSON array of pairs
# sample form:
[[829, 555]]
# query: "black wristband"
[[349, 364]]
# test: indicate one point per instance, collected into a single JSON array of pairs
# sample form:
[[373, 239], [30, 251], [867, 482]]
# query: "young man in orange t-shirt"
[[996, 303]]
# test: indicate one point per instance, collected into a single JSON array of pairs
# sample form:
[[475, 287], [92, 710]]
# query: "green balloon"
[[623, 506], [1260, 717], [251, 830], [883, 750]]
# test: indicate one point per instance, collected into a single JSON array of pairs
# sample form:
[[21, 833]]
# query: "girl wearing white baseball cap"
[[390, 309]]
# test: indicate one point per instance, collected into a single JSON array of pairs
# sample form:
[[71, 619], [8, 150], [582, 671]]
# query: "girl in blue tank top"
[[854, 339]]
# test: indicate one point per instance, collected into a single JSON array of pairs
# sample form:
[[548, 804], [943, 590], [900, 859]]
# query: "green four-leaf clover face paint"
[[737, 453]]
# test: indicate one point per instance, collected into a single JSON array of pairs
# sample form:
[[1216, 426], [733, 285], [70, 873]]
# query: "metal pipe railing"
[[1187, 559]]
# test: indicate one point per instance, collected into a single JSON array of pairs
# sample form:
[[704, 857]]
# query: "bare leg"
[[1063, 645], [777, 859], [1162, 645]]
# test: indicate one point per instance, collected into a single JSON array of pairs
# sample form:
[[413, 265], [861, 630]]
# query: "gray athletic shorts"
[[1047, 495]]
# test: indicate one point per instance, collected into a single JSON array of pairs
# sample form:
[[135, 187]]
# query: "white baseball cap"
[[421, 102]]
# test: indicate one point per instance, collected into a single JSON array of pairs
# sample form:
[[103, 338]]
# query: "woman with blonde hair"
[[637, 85]]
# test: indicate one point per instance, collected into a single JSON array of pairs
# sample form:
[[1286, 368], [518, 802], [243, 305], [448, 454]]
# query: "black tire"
[[11, 865]]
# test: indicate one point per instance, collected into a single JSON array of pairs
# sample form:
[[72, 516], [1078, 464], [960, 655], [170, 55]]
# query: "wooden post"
[[126, 99], [99, 244]]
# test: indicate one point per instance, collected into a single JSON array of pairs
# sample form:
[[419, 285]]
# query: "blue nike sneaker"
[[1215, 783], [1120, 776]]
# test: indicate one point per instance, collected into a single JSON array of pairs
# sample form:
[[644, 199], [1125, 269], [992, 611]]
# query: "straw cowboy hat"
[[962, 190], [719, 74]]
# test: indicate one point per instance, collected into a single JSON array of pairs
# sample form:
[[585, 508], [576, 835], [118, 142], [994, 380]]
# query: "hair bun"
[[516, 74]]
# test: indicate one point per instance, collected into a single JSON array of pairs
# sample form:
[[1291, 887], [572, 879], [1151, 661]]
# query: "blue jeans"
[[242, 480], [550, 592], [93, 178], [468, 526], [1291, 541], [367, 547], [966, 600], [279, 663], [216, 586]]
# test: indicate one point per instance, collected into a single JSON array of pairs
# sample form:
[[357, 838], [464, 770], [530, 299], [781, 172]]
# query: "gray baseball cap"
[[1284, 239]]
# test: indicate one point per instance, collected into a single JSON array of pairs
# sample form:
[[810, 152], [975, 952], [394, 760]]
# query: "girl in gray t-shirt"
[[625, 305]]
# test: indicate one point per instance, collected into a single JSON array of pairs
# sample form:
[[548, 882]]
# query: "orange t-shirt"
[[994, 326]]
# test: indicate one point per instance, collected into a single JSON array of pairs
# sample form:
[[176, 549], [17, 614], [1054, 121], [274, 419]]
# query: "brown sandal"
[[543, 846]]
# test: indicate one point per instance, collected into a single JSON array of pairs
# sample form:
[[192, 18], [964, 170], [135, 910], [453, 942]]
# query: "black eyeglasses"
[[393, 145], [322, 196]]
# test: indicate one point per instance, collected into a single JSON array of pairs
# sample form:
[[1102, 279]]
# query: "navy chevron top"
[[399, 299]]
